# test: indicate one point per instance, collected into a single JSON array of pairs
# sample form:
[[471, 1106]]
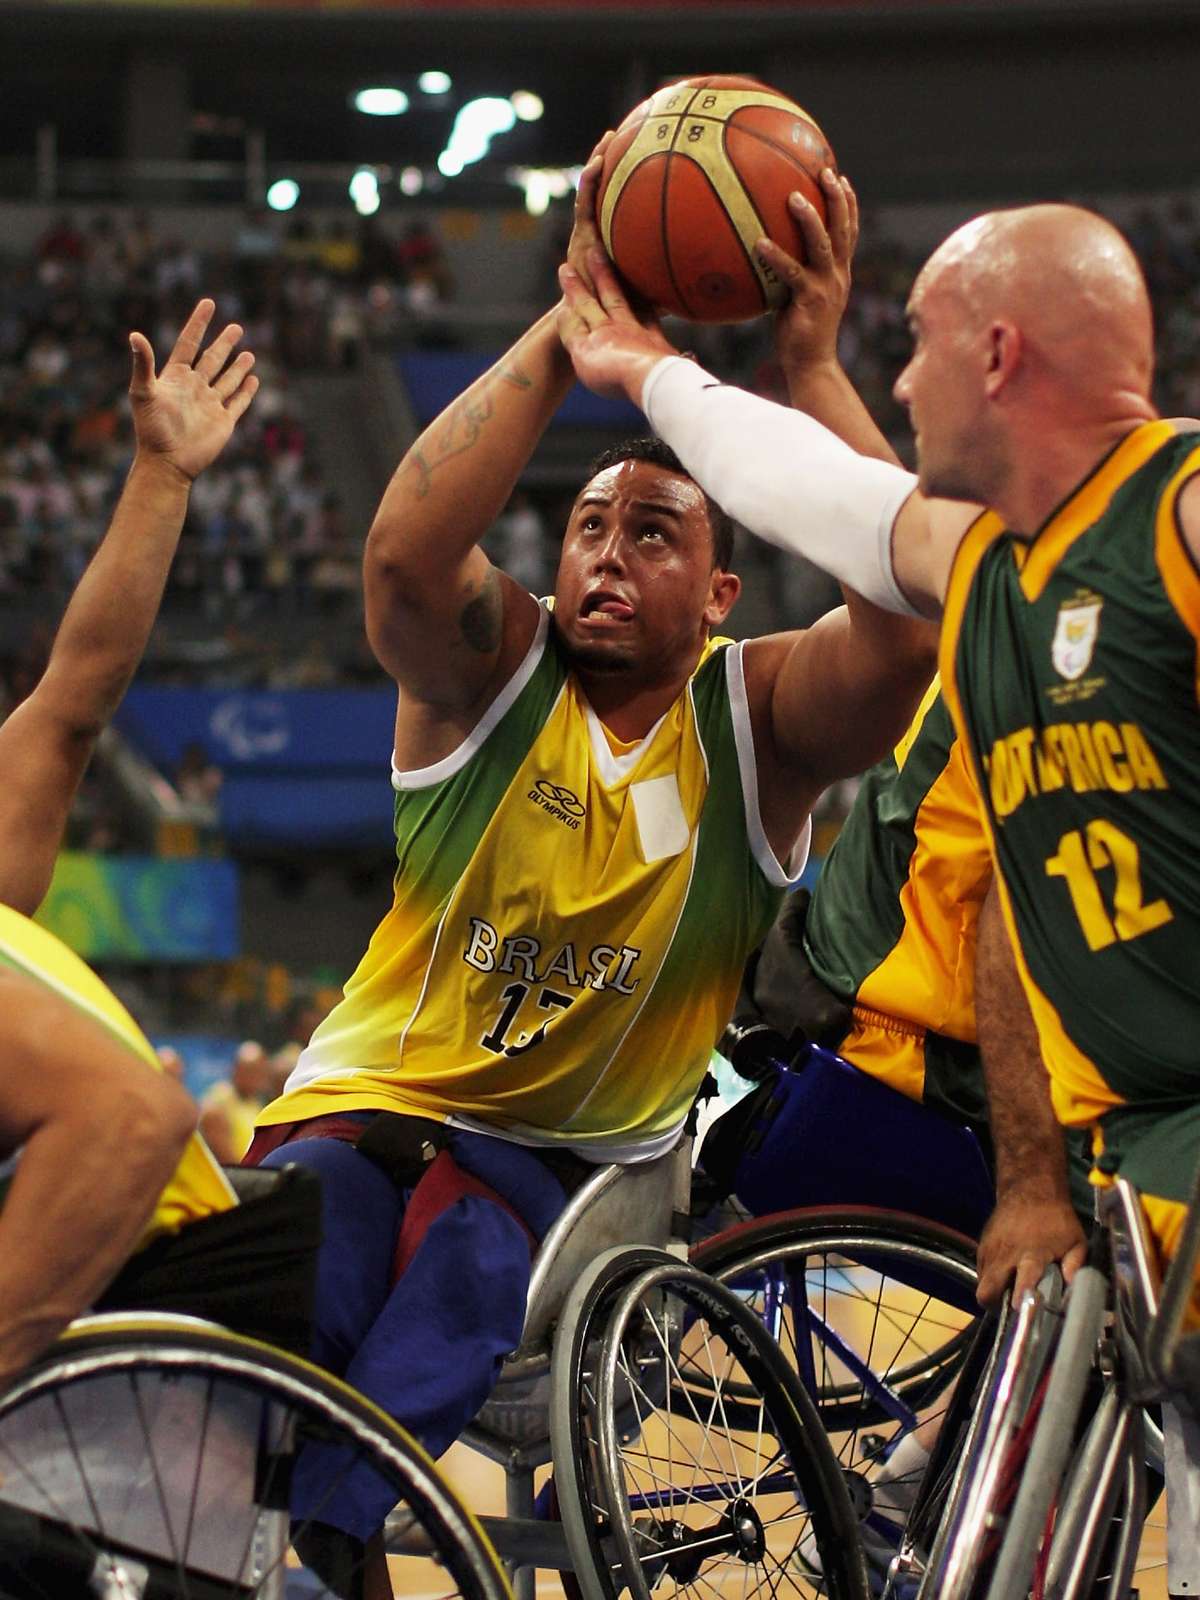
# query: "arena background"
[[231, 849]]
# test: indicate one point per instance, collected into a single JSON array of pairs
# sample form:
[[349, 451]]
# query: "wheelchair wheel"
[[164, 1457], [875, 1310], [656, 1482]]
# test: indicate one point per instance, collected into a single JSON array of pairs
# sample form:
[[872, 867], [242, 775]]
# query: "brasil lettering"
[[1080, 755], [604, 967]]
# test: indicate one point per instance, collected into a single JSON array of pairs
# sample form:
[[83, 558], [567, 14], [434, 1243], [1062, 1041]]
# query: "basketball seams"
[[660, 204], [776, 145], [663, 231]]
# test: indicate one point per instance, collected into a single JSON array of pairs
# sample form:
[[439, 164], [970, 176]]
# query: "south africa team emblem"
[[1075, 638]]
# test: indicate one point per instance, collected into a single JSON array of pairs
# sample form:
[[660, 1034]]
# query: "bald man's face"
[[942, 386]]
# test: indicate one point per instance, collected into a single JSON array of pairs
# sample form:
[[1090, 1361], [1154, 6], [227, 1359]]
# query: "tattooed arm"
[[442, 620]]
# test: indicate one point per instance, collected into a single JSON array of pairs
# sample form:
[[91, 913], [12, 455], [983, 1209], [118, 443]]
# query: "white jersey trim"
[[613, 768], [780, 876], [426, 777], [593, 1150]]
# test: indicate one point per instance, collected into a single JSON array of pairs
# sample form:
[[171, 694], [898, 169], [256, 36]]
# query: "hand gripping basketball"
[[612, 351]]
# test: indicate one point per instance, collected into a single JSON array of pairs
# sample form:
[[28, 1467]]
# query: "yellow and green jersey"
[[1070, 667], [892, 924], [198, 1188], [569, 922]]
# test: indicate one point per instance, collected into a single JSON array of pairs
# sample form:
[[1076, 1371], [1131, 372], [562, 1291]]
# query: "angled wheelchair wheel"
[[166, 1458], [875, 1311], [660, 1488]]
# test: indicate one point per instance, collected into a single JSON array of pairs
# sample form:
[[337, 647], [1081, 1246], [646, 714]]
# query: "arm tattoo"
[[462, 426], [480, 620]]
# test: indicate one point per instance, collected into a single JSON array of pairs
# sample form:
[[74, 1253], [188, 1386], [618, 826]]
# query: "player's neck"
[[629, 711], [1048, 471]]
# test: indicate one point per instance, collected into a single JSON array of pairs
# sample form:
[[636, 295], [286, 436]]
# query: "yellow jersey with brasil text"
[[198, 1188], [1070, 666], [569, 922]]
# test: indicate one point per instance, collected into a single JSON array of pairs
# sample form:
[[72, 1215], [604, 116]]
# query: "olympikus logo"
[[562, 804]]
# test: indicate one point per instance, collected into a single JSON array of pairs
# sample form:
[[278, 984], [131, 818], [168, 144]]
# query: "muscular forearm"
[[1034, 1223], [1030, 1152], [106, 626], [102, 1133], [455, 480], [784, 476]]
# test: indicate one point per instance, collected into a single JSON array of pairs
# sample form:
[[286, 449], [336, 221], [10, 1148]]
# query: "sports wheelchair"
[[1042, 1486], [152, 1454], [683, 1447]]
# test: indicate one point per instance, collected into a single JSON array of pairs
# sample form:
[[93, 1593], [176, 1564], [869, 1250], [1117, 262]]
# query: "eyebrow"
[[661, 508]]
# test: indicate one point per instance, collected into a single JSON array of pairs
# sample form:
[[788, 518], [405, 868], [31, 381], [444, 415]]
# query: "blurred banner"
[[136, 908], [433, 378], [304, 766]]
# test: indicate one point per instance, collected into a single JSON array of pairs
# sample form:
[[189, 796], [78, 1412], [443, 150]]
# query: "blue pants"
[[428, 1346]]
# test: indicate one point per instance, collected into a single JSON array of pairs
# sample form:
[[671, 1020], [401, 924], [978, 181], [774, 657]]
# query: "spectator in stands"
[[198, 778], [228, 1110]]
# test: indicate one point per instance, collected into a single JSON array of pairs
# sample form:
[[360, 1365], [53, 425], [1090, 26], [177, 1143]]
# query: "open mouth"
[[604, 606]]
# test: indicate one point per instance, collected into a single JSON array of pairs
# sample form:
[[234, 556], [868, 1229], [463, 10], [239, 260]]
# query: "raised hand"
[[585, 232], [185, 415], [611, 348], [806, 329]]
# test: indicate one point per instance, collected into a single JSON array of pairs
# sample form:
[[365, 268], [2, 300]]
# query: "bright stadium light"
[[543, 184], [475, 126], [435, 83], [283, 194], [527, 105], [364, 191], [381, 102]]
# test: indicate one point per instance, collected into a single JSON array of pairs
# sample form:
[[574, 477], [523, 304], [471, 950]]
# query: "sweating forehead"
[[645, 481]]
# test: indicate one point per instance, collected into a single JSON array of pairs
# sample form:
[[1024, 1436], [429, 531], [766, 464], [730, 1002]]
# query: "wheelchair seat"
[[824, 1133]]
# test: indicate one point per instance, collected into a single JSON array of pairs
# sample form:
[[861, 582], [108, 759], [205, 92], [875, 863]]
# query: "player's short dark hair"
[[648, 447]]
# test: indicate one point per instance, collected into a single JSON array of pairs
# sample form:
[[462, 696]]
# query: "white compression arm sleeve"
[[784, 476]]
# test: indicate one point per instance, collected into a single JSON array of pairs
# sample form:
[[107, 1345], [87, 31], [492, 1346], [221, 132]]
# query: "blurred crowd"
[[265, 529], [267, 534]]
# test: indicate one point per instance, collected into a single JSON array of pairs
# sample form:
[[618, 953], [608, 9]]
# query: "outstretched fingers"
[[241, 397], [191, 335], [231, 379], [212, 362], [141, 379]]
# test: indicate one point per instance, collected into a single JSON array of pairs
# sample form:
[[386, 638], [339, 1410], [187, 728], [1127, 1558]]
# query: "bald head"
[[1067, 280]]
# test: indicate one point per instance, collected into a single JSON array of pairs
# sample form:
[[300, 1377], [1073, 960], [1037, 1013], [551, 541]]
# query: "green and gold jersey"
[[1070, 668], [199, 1187], [569, 922], [892, 923]]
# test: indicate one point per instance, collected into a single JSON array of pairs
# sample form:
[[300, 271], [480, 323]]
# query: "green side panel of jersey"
[[729, 898], [855, 918], [439, 827], [1098, 846]]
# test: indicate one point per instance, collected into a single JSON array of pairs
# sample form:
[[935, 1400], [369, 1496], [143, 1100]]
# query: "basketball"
[[693, 177]]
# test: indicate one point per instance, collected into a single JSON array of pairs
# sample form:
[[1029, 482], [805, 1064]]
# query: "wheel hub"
[[749, 1539]]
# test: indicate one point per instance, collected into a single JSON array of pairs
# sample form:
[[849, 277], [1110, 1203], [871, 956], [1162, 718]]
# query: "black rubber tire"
[[606, 1302], [168, 1352], [866, 1234]]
